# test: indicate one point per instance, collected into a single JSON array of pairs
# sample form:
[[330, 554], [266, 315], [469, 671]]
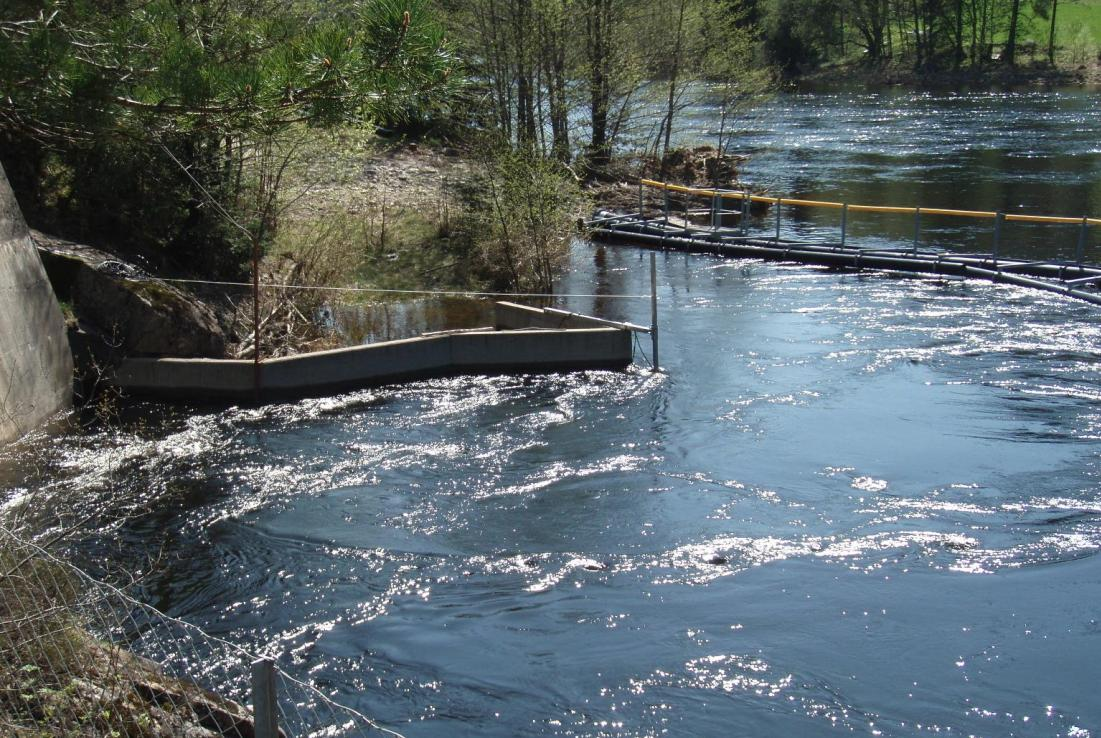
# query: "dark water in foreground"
[[853, 504]]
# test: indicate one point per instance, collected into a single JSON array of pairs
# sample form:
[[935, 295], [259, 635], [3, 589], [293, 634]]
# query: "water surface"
[[851, 503]]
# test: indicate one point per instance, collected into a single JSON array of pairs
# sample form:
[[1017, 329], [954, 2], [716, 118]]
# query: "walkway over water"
[[724, 227]]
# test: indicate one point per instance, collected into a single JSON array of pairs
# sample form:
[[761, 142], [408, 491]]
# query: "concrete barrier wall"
[[325, 372], [36, 366]]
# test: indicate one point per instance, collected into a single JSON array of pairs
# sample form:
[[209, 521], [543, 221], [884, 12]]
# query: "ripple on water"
[[844, 486]]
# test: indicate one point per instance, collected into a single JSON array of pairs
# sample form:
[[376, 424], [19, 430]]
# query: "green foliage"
[[794, 33], [96, 95], [929, 36], [520, 216]]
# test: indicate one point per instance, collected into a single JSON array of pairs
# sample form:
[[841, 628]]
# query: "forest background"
[[186, 134]]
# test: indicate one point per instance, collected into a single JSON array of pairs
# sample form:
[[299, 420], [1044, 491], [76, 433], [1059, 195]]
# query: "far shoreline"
[[1034, 75]]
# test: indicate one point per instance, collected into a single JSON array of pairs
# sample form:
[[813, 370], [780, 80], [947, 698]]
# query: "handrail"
[[727, 195]]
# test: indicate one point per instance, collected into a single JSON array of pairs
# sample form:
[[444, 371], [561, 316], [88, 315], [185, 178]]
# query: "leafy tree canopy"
[[70, 69]]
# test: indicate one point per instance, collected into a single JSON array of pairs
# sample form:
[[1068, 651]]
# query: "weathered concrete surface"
[[325, 372], [36, 366]]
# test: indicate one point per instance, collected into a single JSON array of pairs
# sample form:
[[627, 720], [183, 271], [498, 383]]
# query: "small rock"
[[717, 559]]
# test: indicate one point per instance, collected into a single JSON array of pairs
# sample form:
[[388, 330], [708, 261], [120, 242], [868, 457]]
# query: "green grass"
[[1077, 29]]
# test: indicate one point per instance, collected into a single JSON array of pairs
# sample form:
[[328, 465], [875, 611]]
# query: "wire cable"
[[446, 293]]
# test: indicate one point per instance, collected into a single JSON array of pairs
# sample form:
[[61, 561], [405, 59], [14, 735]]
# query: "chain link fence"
[[79, 657]]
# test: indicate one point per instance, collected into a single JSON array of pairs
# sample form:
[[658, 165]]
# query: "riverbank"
[[1033, 74]]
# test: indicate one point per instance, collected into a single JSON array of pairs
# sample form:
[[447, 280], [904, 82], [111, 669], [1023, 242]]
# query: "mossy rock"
[[137, 314]]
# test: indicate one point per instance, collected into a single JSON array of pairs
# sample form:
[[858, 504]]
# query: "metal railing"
[[745, 198]]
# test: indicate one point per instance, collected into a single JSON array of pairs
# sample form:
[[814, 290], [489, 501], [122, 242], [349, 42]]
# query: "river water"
[[851, 503]]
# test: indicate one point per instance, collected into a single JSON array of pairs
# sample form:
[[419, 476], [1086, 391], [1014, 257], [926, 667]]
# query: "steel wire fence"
[[80, 657]]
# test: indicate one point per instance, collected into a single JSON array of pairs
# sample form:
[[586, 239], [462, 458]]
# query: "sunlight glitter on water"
[[843, 487]]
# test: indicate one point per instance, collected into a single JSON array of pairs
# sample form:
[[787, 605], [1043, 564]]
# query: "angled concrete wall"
[[36, 367], [327, 372]]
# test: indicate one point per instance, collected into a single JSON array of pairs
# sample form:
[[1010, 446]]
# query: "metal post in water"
[[746, 201], [641, 213], [1082, 235], [256, 318], [844, 219], [264, 700], [917, 229], [778, 201], [654, 309], [666, 207], [716, 211], [998, 218]]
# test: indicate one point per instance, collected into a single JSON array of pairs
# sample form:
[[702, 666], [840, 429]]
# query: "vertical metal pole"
[[654, 309], [666, 208], [1082, 235], [998, 218], [256, 318], [716, 211], [778, 201], [844, 219], [746, 201], [641, 213], [917, 229], [264, 700], [686, 229]]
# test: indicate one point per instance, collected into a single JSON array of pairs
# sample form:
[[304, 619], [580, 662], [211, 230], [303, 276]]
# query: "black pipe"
[[1036, 269], [852, 258]]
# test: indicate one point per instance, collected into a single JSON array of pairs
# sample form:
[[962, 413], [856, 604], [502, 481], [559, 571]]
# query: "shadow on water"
[[363, 323]]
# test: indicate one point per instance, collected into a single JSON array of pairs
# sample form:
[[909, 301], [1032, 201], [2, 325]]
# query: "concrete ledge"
[[325, 372]]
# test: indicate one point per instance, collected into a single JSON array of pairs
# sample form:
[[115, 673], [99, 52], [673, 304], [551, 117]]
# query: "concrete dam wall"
[[36, 366]]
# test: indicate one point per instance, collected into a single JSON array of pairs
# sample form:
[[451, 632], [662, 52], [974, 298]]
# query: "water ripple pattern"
[[854, 502]]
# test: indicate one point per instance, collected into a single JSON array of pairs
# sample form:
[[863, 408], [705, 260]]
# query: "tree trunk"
[[554, 59], [957, 60], [1051, 34], [919, 47], [673, 72], [1009, 56], [597, 27]]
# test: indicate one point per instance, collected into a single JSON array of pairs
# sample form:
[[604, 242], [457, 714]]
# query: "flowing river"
[[853, 503]]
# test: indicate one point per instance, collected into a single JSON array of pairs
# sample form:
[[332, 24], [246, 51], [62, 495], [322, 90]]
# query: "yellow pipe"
[[1047, 219], [866, 208], [882, 209], [815, 203], [959, 213]]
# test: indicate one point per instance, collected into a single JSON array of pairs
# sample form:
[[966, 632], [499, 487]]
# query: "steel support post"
[[264, 699]]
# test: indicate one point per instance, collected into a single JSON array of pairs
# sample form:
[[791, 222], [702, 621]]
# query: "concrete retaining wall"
[[36, 366], [324, 372]]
